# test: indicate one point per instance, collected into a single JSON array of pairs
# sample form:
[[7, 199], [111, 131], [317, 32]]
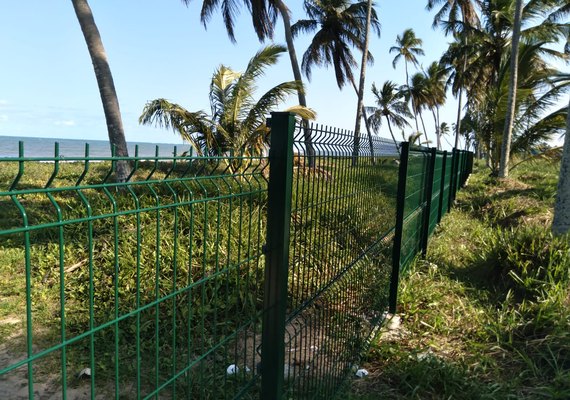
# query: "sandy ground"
[[14, 384]]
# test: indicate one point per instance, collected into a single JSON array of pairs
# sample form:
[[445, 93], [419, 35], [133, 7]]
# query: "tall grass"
[[486, 315]]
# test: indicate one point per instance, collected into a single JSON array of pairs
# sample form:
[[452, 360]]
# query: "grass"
[[486, 315]]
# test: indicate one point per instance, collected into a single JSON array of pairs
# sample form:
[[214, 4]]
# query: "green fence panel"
[[434, 216], [427, 182], [342, 221], [447, 177], [149, 288], [415, 203]]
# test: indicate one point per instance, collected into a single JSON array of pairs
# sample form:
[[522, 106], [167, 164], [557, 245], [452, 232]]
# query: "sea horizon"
[[45, 147]]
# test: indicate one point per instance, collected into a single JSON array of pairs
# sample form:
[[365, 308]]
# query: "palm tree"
[[444, 131], [508, 131], [341, 25], [488, 53], [418, 93], [390, 104], [408, 47], [106, 86], [237, 121], [436, 76], [264, 14], [455, 10], [360, 92], [561, 222], [448, 16]]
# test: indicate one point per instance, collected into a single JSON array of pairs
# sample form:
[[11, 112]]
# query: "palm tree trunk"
[[508, 132], [424, 127], [284, 11], [438, 139], [561, 222], [366, 124], [438, 131], [392, 134], [459, 106], [106, 85], [411, 97], [360, 92]]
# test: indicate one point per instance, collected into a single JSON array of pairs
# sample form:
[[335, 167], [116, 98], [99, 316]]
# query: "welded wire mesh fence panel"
[[461, 169], [436, 192], [342, 217], [414, 205], [448, 183], [150, 288]]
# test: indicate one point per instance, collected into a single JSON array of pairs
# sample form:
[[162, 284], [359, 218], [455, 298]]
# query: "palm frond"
[[303, 26]]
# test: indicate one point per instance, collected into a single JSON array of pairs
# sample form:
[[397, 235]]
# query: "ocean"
[[44, 147]]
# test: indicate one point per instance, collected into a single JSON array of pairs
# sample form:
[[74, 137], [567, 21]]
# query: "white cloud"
[[3, 118], [3, 102], [68, 122]]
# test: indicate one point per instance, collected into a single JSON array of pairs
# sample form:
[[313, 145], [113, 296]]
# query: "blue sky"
[[160, 49]]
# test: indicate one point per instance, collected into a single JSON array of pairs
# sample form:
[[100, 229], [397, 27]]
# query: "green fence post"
[[398, 230], [428, 193], [442, 189], [452, 182], [277, 254]]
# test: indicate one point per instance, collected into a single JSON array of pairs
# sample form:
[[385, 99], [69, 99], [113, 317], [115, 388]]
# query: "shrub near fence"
[[198, 278]]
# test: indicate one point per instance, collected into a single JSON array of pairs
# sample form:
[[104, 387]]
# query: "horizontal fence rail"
[[211, 277]]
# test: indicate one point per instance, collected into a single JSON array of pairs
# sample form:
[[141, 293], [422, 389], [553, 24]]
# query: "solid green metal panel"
[[446, 192], [433, 199]]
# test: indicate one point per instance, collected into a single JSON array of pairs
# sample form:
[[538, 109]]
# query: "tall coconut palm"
[[561, 221], [360, 92], [455, 10], [488, 51], [237, 120], [509, 120], [448, 15], [391, 105], [341, 25], [418, 93], [106, 85], [408, 47], [436, 76]]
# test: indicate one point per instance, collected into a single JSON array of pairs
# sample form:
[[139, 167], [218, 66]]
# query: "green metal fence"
[[151, 288], [220, 277], [333, 284], [428, 183]]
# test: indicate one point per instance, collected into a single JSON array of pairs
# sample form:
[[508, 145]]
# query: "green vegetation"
[[487, 313]]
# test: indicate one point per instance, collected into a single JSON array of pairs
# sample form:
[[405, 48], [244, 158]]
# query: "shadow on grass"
[[401, 374]]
